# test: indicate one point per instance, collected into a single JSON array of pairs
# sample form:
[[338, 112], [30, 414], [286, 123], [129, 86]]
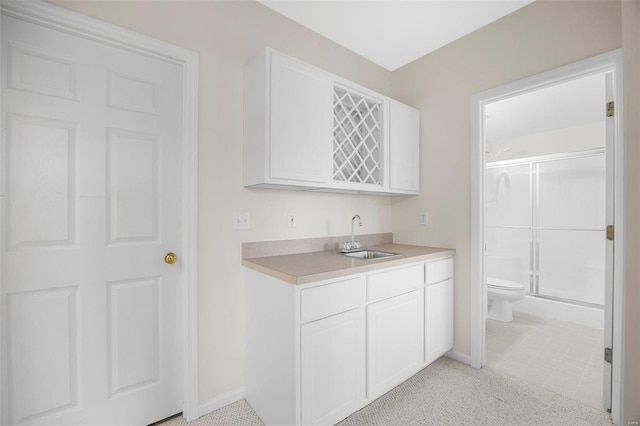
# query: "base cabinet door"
[[438, 320], [394, 341], [332, 368]]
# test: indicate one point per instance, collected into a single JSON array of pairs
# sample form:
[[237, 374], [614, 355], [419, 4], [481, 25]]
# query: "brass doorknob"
[[170, 258]]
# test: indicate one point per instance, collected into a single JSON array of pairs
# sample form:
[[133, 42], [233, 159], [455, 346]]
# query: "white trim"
[[220, 401], [58, 18], [617, 396], [607, 62], [458, 356]]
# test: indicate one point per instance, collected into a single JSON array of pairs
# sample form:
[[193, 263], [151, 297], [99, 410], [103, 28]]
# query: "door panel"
[[132, 179], [41, 71], [40, 181], [91, 174], [134, 334], [43, 352], [132, 93]]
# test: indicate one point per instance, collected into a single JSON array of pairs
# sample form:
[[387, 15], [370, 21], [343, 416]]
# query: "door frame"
[[607, 62], [58, 18]]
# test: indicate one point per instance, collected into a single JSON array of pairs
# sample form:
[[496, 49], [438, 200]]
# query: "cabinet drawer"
[[390, 283], [322, 301], [439, 270]]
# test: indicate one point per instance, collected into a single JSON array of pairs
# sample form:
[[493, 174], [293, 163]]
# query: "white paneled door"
[[91, 155]]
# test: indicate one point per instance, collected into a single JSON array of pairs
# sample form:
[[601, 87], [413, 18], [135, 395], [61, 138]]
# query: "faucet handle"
[[347, 245], [355, 245]]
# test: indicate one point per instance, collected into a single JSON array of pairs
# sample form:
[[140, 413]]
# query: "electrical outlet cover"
[[424, 218]]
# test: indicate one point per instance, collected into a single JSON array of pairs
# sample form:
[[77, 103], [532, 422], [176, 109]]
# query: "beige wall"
[[227, 35]]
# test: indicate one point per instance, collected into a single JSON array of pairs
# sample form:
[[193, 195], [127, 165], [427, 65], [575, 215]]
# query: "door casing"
[[55, 17], [607, 62]]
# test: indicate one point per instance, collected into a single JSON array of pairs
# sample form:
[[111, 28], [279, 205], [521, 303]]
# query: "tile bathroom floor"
[[560, 356]]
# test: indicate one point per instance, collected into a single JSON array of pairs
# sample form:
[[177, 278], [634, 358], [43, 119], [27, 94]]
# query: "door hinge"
[[610, 232], [610, 109], [608, 355]]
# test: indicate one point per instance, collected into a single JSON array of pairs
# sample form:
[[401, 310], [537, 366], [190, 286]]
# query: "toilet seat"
[[506, 285]]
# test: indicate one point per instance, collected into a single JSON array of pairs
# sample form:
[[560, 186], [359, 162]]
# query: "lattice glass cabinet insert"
[[357, 138]]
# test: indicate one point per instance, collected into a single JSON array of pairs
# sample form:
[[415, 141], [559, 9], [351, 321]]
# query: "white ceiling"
[[394, 33]]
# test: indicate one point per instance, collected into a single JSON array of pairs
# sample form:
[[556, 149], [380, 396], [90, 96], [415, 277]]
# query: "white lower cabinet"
[[332, 368], [438, 320], [438, 308], [394, 341], [318, 352]]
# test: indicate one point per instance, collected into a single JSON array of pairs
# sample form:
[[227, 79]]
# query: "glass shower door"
[[508, 223], [569, 229]]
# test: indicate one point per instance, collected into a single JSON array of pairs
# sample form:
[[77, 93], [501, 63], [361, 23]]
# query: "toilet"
[[501, 294]]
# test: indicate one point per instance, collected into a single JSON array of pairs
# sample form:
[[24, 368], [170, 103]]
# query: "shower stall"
[[545, 225]]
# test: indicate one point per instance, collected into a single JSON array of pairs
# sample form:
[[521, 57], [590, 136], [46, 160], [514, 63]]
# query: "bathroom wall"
[[569, 139], [566, 117]]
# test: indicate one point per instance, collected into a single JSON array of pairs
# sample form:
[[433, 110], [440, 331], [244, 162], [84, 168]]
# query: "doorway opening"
[[545, 285]]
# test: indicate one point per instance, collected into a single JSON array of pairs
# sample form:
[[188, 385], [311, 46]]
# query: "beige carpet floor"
[[446, 393]]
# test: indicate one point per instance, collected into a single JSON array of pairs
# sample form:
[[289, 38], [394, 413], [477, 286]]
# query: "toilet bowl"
[[501, 294]]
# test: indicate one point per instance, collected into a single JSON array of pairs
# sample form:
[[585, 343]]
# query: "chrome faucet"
[[355, 244]]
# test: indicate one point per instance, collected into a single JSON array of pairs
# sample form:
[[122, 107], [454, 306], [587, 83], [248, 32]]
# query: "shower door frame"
[[610, 63], [534, 221]]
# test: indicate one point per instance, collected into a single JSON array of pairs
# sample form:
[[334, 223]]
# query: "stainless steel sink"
[[369, 254]]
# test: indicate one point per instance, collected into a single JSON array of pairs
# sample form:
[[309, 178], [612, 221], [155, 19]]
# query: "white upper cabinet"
[[305, 128], [404, 148], [287, 113]]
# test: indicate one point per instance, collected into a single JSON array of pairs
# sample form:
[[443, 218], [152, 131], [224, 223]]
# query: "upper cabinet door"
[[404, 147], [300, 133]]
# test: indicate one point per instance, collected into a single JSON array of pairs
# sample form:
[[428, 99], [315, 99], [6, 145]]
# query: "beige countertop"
[[303, 268]]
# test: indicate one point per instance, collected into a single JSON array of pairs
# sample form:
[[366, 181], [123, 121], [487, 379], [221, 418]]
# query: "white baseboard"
[[458, 356], [220, 401]]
